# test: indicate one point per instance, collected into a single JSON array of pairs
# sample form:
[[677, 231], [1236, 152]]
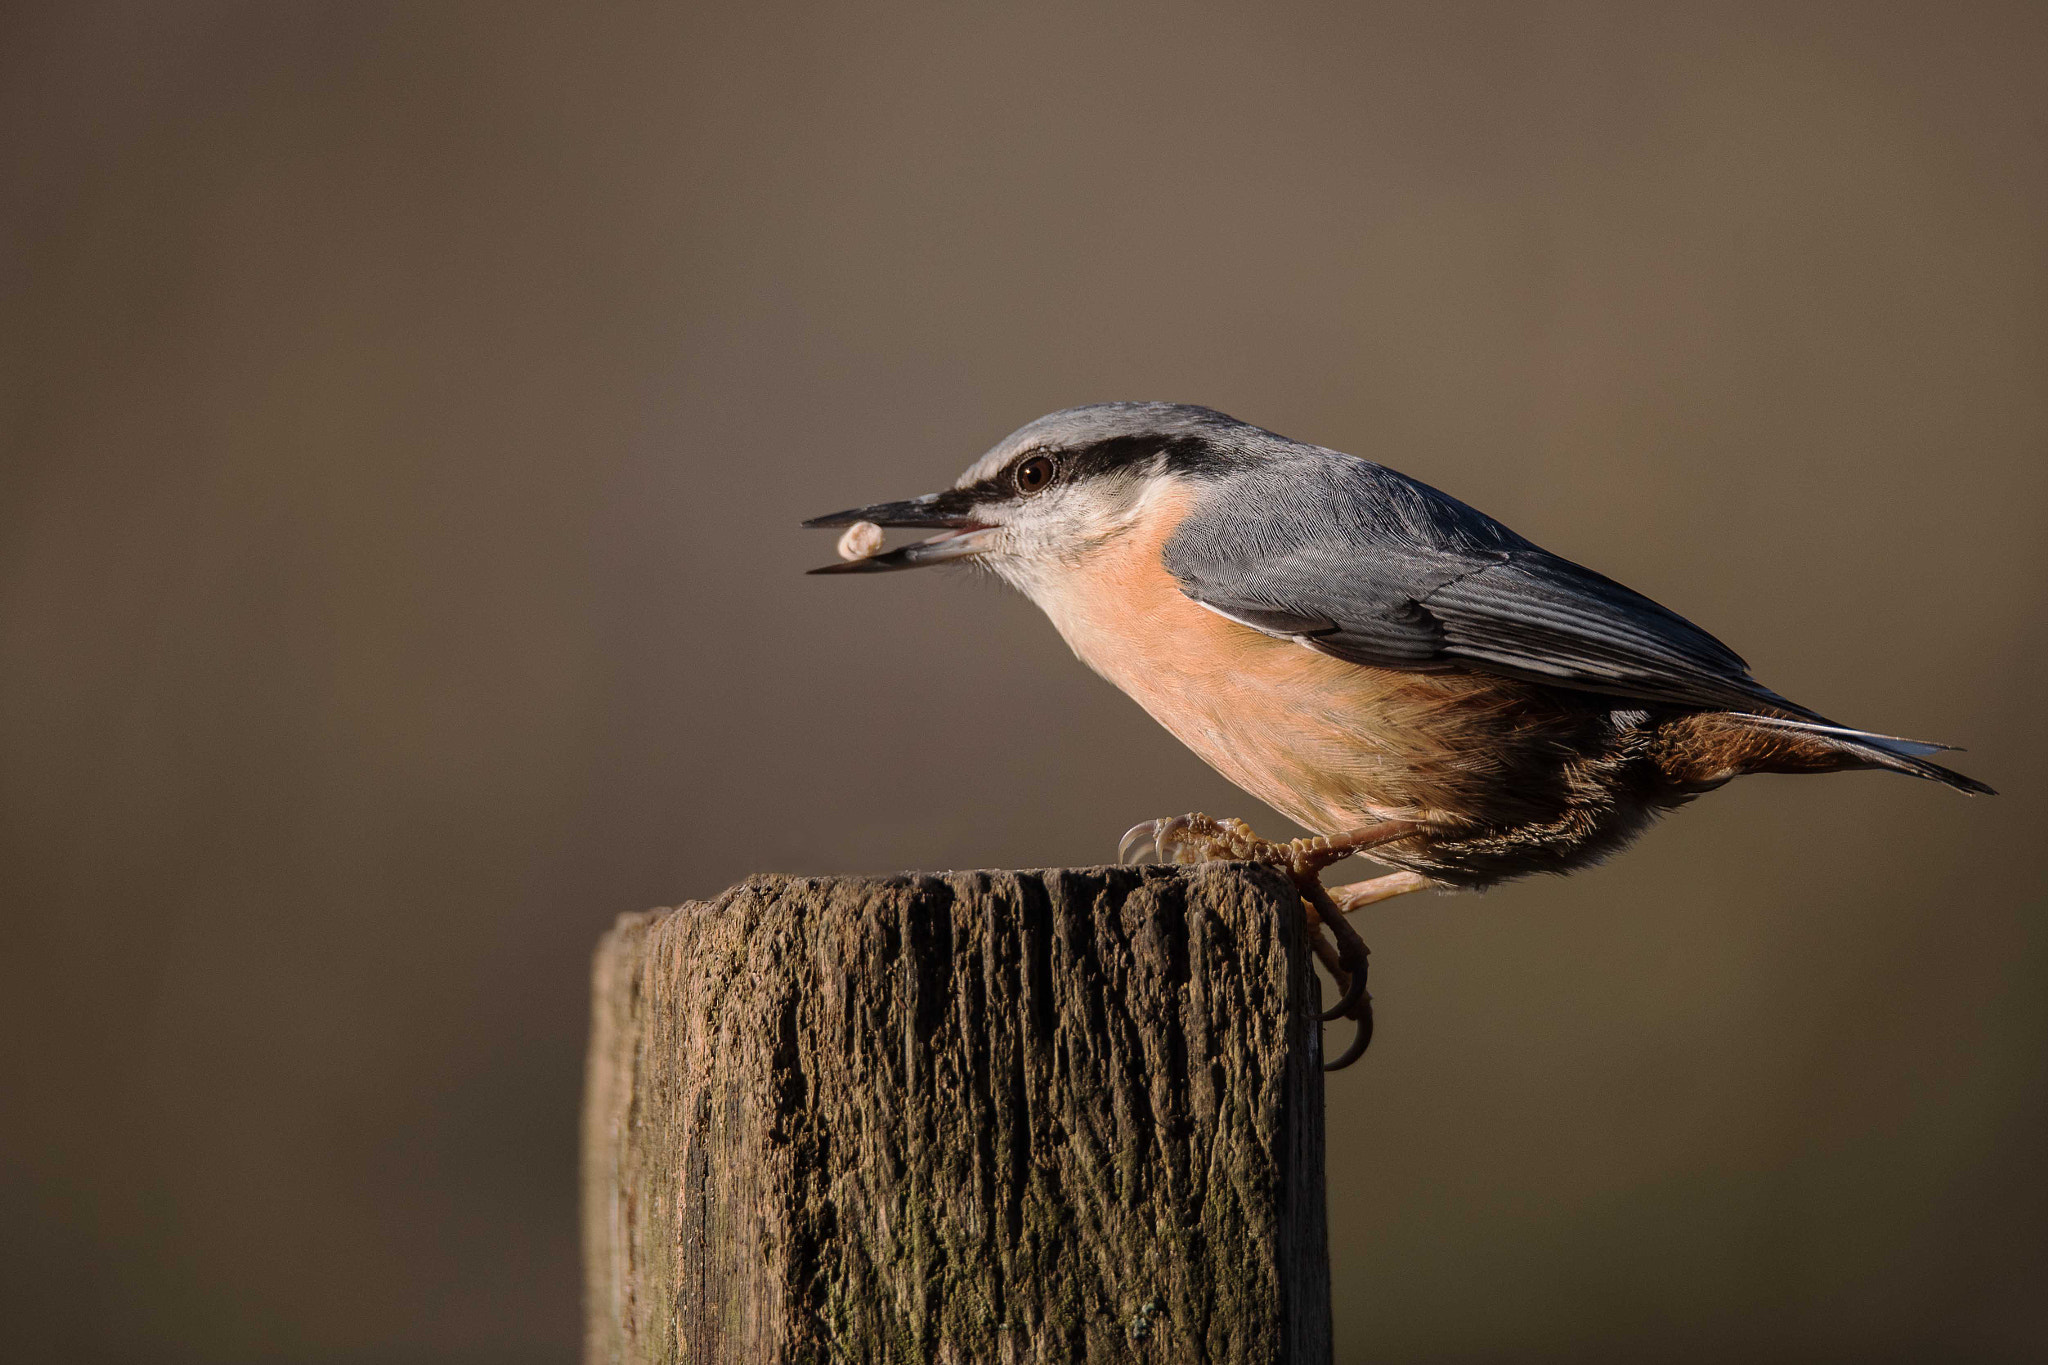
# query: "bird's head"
[[1056, 491]]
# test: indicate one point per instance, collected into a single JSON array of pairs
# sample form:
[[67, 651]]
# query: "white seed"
[[862, 539]]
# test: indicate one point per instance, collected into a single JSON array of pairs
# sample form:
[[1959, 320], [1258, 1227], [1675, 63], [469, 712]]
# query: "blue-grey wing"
[[1371, 566]]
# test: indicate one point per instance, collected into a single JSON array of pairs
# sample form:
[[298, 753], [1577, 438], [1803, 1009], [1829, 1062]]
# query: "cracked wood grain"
[[986, 1116]]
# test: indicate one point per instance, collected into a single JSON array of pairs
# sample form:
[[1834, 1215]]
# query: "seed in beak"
[[862, 539]]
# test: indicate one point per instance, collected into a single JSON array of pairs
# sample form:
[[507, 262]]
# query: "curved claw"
[[1353, 957], [1352, 954], [1354, 984], [1359, 1043], [1354, 994], [1166, 838], [1138, 841], [1154, 841]]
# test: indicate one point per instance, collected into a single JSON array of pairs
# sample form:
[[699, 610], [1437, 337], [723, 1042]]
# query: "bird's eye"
[[1034, 474]]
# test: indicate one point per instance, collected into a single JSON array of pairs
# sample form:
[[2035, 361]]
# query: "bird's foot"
[[1199, 838]]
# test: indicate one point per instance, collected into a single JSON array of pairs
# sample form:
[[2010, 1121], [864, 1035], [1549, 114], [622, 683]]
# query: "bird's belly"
[[1311, 748], [1331, 745]]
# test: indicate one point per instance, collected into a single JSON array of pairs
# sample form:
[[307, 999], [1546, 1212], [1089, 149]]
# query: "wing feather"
[[1371, 566]]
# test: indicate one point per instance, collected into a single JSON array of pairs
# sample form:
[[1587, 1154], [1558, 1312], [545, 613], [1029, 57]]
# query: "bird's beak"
[[952, 511]]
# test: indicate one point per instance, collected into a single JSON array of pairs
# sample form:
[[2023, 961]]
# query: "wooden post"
[[984, 1116]]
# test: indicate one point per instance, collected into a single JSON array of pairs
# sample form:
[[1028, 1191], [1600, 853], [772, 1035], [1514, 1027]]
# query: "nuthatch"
[[1374, 659]]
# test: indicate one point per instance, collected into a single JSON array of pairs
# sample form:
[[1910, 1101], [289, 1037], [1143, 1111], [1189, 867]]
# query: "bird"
[[1386, 666]]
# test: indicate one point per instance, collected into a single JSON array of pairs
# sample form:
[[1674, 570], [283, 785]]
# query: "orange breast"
[[1330, 744]]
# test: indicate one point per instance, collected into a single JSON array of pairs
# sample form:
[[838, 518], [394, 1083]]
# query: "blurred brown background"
[[407, 415]]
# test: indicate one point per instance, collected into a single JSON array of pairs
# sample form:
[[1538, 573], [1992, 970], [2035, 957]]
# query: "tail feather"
[[1877, 751]]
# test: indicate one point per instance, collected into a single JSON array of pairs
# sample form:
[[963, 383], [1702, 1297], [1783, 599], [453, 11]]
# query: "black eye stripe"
[[1195, 455], [1186, 455]]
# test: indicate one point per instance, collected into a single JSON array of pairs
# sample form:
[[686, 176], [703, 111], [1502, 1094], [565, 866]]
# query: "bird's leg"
[[1200, 838], [1358, 895]]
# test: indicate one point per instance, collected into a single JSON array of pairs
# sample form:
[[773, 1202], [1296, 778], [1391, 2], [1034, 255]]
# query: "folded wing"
[[1368, 565]]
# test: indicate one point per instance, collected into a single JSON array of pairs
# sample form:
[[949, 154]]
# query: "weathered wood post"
[[983, 1116]]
